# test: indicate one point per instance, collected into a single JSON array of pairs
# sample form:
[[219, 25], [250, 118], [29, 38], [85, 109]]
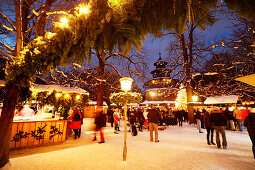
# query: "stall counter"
[[27, 133]]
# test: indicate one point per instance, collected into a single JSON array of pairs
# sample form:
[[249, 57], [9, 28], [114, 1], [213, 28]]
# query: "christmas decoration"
[[119, 98], [181, 99]]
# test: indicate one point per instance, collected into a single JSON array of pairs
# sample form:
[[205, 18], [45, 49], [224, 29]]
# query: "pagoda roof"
[[160, 61]]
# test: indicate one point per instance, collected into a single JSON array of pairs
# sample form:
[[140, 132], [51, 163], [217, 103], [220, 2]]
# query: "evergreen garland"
[[130, 97]]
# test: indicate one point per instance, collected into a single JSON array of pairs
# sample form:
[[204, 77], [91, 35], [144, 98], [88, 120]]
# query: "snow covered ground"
[[178, 148]]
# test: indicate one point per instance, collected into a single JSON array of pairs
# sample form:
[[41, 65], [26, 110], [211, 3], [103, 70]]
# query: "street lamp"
[[194, 98], [126, 84]]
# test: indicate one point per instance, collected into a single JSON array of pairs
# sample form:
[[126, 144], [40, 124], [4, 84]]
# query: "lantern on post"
[[194, 98], [126, 84]]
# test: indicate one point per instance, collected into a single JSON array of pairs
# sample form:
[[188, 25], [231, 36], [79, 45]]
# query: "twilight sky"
[[155, 45]]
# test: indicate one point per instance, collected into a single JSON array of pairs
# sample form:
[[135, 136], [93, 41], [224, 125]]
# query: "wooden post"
[[125, 132]]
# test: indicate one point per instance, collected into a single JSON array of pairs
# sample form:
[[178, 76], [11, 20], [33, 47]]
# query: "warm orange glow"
[[83, 9], [114, 3], [64, 22], [152, 93], [58, 95], [78, 97], [67, 96]]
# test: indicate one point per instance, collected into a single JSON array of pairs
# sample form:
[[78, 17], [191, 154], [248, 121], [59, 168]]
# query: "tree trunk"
[[19, 41], [190, 108], [100, 87], [188, 75], [6, 120], [187, 69]]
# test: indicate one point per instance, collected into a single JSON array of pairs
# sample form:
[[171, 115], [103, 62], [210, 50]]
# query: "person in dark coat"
[[100, 121], [219, 124], [110, 116], [209, 127], [153, 119], [141, 119], [250, 124], [179, 115]]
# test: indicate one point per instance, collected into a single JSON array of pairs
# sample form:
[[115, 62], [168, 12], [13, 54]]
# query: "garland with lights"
[[61, 101], [131, 97]]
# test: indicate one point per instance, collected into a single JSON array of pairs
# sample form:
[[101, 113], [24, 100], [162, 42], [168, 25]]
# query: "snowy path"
[[179, 148]]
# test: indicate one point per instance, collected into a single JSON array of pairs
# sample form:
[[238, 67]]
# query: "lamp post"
[[126, 84]]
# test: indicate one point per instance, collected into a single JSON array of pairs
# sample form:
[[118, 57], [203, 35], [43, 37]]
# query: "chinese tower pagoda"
[[161, 89]]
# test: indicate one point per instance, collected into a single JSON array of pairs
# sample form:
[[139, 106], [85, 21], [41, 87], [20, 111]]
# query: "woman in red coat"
[[76, 118]]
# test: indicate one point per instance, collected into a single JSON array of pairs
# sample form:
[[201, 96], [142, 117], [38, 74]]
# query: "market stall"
[[37, 132], [44, 126]]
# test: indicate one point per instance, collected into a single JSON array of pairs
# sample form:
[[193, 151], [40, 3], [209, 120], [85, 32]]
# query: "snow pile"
[[58, 88], [221, 99], [179, 148]]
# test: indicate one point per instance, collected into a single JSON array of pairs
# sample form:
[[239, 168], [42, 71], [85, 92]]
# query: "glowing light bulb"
[[83, 9], [64, 22], [78, 97], [58, 95]]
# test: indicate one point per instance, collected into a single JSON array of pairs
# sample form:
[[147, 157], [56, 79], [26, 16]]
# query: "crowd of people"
[[213, 119]]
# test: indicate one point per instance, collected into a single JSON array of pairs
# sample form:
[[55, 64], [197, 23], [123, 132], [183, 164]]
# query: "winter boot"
[[207, 137]]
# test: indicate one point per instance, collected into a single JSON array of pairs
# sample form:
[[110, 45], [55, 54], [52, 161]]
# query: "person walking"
[[209, 127], [141, 119], [249, 122], [110, 116], [76, 118], [100, 121], [153, 119], [198, 117], [145, 115], [179, 115], [238, 116], [116, 117], [219, 124]]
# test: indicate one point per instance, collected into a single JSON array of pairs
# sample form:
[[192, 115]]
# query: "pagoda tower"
[[161, 89], [161, 70]]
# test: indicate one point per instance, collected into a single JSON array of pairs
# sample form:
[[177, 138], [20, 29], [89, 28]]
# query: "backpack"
[[76, 117]]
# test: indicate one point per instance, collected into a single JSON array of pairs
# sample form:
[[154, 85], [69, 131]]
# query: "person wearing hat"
[[250, 124]]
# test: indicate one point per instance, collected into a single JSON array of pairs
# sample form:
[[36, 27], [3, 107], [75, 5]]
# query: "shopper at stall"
[[153, 119], [27, 111], [100, 121], [76, 118], [250, 124]]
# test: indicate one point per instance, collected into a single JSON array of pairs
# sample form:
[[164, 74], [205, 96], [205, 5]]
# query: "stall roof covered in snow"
[[58, 88], [91, 102], [158, 102], [221, 99], [163, 88]]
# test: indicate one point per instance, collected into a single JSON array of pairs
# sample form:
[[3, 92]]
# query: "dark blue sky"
[[153, 46]]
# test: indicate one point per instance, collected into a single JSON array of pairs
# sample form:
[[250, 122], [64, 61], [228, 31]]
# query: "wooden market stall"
[[41, 128], [37, 132]]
